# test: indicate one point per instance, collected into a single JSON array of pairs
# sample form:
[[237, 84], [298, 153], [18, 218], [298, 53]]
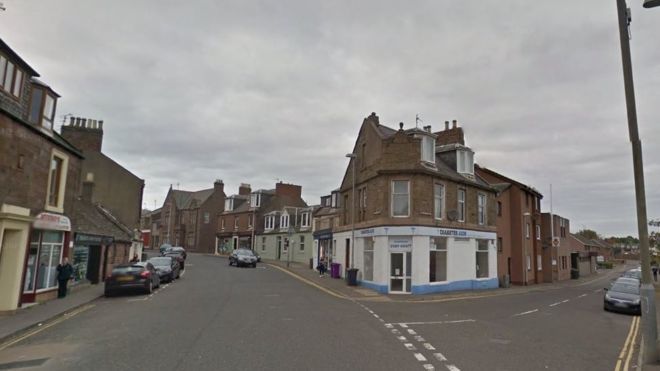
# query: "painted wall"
[[13, 239], [268, 250]]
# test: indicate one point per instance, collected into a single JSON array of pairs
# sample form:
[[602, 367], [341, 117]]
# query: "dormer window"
[[284, 221], [11, 77], [269, 222], [229, 204], [305, 220], [465, 161], [334, 200], [42, 108], [255, 199], [428, 149]]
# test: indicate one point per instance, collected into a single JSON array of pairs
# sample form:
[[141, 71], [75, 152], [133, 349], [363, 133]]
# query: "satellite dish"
[[452, 215]]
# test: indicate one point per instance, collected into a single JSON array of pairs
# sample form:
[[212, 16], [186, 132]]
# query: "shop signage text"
[[52, 222]]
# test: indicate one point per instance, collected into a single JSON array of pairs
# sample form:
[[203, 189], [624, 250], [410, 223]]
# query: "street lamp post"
[[647, 291], [353, 156]]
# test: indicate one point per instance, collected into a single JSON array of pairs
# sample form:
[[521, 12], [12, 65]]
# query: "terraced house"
[[423, 221]]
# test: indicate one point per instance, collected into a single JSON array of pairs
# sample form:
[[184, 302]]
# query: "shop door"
[[94, 264], [400, 269]]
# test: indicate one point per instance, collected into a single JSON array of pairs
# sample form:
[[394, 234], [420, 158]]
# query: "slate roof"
[[93, 219], [584, 241], [188, 199]]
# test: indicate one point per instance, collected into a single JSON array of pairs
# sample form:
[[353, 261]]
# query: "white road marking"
[[523, 313], [376, 316], [420, 339], [389, 325], [429, 367], [370, 311], [565, 301], [142, 299], [597, 290], [409, 346], [382, 320], [182, 274], [453, 368], [583, 295], [439, 357], [557, 303], [420, 357], [429, 346], [411, 331], [402, 338], [395, 331], [406, 324]]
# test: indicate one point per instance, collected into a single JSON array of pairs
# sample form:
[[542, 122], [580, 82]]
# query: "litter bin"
[[351, 278], [334, 270]]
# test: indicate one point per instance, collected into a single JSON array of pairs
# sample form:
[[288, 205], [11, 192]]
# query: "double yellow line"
[[623, 362]]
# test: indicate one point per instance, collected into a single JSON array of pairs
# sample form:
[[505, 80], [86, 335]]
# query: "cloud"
[[258, 91]]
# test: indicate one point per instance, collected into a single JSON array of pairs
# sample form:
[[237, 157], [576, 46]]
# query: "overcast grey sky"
[[255, 91]]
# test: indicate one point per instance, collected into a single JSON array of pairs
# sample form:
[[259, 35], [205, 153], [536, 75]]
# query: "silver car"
[[243, 257]]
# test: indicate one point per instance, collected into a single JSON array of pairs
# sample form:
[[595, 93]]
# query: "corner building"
[[424, 222]]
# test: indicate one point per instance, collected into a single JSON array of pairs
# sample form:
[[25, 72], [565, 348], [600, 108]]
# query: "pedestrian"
[[654, 268], [135, 259], [64, 274], [321, 268]]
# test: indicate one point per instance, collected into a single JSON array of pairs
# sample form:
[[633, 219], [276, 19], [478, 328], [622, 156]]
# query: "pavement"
[[221, 317]]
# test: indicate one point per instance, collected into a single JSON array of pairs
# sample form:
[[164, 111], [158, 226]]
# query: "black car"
[[623, 296], [167, 268], [140, 276], [243, 257]]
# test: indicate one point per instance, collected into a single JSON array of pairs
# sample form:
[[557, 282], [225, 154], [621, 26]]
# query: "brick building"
[[39, 177], [189, 219], [325, 219], [424, 221], [557, 255], [519, 249]]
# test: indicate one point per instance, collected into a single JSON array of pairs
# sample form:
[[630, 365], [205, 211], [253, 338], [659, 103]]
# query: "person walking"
[[654, 268], [135, 259], [321, 268], [64, 273]]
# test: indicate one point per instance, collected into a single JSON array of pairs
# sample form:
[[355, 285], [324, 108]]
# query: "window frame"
[[433, 248], [250, 221], [305, 221], [368, 249], [302, 243], [284, 225], [61, 181], [427, 149], [460, 200], [439, 200], [392, 196], [482, 202], [527, 230], [207, 217], [538, 232]]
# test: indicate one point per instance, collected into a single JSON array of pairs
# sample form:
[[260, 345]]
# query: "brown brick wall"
[[83, 138]]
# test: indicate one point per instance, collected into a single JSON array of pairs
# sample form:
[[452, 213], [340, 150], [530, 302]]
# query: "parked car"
[[129, 277], [178, 256], [164, 248], [257, 255], [167, 268], [179, 249], [623, 296], [243, 257], [633, 273]]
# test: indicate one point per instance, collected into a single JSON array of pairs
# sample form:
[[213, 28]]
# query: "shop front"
[[420, 259], [323, 247], [47, 247], [87, 252]]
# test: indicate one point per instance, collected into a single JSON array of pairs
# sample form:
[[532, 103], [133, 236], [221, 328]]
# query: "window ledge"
[[54, 209]]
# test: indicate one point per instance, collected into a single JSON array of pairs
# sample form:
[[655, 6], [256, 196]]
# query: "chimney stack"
[[219, 186], [453, 124], [244, 189], [85, 134]]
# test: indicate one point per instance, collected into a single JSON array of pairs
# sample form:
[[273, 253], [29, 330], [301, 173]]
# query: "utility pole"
[[647, 291]]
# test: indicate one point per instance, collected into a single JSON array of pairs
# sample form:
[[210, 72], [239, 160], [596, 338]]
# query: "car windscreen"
[[625, 288], [244, 252], [127, 269], [161, 262]]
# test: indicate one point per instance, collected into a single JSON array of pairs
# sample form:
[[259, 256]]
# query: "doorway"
[[400, 272]]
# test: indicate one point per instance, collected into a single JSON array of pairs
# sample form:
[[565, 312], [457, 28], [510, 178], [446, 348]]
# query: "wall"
[[214, 205], [13, 240]]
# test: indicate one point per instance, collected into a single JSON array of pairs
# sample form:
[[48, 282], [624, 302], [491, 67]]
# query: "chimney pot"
[[401, 126], [446, 125], [453, 124], [84, 122], [72, 121], [101, 124], [77, 121]]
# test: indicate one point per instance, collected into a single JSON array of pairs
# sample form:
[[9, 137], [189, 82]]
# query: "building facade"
[[326, 218], [287, 235], [557, 249], [39, 178], [424, 222], [519, 248]]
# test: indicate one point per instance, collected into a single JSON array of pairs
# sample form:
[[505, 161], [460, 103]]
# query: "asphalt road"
[[218, 317]]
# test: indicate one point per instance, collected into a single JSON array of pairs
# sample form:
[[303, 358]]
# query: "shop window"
[[438, 260], [439, 200], [49, 256], [482, 258], [368, 269], [400, 198]]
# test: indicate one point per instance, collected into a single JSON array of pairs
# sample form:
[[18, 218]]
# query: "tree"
[[588, 233]]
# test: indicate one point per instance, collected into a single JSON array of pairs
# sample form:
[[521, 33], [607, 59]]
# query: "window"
[[527, 230], [334, 200], [229, 204], [400, 198], [461, 205], [363, 156], [305, 220], [481, 208], [235, 222], [538, 232], [499, 208], [465, 161], [362, 204], [3, 65], [269, 222], [482, 258], [438, 259], [49, 112], [222, 224], [49, 256], [18, 83], [529, 263], [368, 270], [439, 200], [539, 262], [250, 221], [35, 105], [500, 246], [428, 149], [263, 243], [56, 181], [346, 221], [302, 243], [9, 77], [255, 199], [207, 217], [284, 221]]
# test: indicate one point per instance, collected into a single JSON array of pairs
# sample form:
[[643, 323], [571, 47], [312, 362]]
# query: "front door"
[[400, 269]]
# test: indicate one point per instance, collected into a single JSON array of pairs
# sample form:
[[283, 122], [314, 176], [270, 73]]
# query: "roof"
[[93, 219], [17, 58], [509, 180], [584, 241], [188, 199], [326, 210]]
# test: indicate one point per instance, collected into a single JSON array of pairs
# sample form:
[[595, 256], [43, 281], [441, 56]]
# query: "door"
[[400, 270], [94, 264]]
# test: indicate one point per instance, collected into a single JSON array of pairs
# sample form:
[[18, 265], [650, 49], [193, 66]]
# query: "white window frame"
[[438, 201], [236, 222], [333, 201], [394, 194], [481, 208], [460, 197], [368, 249], [222, 224], [229, 204], [305, 222], [255, 199], [434, 248], [538, 232], [59, 207], [428, 149], [487, 252], [269, 223], [465, 161], [302, 242], [284, 221], [527, 230]]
